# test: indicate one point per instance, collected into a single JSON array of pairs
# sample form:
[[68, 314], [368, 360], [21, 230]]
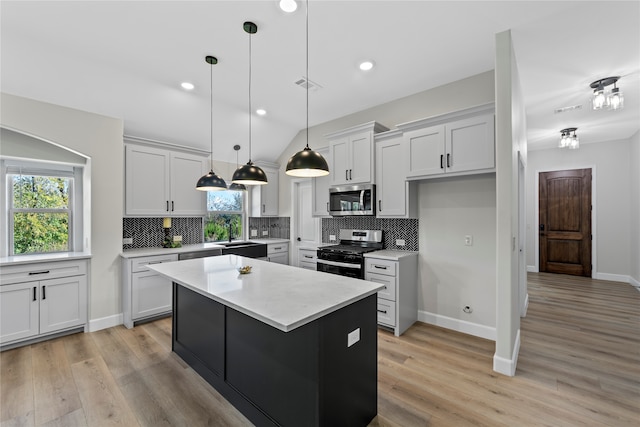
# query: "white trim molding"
[[506, 366], [475, 329], [526, 306], [613, 277], [633, 282], [532, 269], [106, 322]]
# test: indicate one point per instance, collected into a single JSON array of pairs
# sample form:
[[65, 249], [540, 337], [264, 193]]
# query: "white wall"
[[22, 146], [634, 251], [100, 139], [454, 275], [612, 177]]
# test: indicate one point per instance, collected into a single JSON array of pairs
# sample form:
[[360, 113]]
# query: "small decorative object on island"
[[211, 181], [307, 163], [245, 269], [249, 174]]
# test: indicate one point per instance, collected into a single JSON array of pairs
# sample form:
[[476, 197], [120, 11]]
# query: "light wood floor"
[[579, 365]]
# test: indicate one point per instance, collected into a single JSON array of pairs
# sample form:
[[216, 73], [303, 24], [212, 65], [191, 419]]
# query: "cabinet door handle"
[[34, 293], [350, 176], [441, 161], [264, 207], [167, 206], [448, 160], [172, 206], [33, 273], [327, 206], [381, 267], [346, 174], [380, 205], [44, 293], [382, 311]]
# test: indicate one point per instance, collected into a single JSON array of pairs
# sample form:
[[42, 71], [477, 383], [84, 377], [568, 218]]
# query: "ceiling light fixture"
[[307, 163], [567, 140], [366, 65], [211, 181], [234, 186], [288, 5], [187, 85], [249, 174], [610, 100]]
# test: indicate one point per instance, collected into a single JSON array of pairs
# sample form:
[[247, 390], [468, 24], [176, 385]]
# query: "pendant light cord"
[[307, 71], [211, 110], [250, 113]]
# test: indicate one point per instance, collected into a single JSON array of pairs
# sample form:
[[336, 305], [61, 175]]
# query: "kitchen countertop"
[[138, 252], [390, 254], [270, 240], [32, 259], [281, 296]]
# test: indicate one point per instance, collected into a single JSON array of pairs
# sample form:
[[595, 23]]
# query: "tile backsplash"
[[393, 229], [148, 232], [277, 226]]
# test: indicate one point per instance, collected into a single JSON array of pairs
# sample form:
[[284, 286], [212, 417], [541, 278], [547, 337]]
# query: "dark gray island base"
[[308, 376]]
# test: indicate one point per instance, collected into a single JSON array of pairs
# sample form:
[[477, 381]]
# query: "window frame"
[[243, 214]]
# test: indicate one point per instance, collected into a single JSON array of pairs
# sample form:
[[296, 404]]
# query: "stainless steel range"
[[347, 258]]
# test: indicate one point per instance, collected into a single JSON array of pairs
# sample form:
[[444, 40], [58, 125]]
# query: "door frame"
[[594, 209]]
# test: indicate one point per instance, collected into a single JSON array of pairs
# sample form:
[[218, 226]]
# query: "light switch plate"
[[400, 242], [265, 233], [468, 240], [353, 337], [177, 238], [332, 237], [254, 233]]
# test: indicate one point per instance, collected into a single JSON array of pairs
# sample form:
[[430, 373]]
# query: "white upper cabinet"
[[320, 188], [395, 196], [458, 143], [264, 198], [351, 154], [162, 182]]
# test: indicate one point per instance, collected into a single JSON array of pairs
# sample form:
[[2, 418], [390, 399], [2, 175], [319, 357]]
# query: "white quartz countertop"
[[390, 254], [281, 296], [270, 240], [32, 259]]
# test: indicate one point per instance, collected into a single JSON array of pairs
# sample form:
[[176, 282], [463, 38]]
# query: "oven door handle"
[[339, 264]]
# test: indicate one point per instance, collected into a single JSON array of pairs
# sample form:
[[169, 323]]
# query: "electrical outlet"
[[127, 241], [254, 233], [400, 242], [177, 238], [468, 240], [332, 237], [265, 233], [353, 337]]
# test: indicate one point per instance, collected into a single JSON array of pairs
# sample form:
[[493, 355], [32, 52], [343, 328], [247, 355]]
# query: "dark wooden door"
[[565, 222]]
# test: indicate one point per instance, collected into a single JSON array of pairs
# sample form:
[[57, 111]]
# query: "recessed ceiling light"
[[187, 85], [261, 112], [366, 65], [288, 5]]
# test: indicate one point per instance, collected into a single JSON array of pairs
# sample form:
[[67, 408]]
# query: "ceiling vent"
[[304, 83], [565, 109]]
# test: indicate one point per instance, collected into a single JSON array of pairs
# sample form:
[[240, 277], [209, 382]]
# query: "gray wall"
[[15, 144], [612, 204], [444, 289], [99, 138]]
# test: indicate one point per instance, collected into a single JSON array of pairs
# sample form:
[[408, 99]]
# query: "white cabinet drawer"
[[389, 282], [308, 255], [308, 265], [42, 271], [140, 264], [386, 312], [380, 266], [276, 248]]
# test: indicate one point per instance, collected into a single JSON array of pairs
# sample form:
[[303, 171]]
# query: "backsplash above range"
[[393, 229], [148, 232], [274, 227]]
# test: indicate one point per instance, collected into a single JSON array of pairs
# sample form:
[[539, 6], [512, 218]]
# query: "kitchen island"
[[286, 346]]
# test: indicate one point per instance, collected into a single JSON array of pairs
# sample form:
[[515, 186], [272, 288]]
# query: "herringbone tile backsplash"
[[405, 229], [148, 232]]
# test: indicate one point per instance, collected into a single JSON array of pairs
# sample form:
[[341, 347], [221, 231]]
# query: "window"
[[225, 213], [40, 211]]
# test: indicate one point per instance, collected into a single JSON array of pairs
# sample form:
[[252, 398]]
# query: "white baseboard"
[[526, 306], [106, 322], [508, 366], [458, 325], [532, 269], [613, 277], [634, 282]]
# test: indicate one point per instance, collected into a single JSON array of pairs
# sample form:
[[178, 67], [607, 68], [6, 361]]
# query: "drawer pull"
[[382, 311], [277, 249], [33, 273], [308, 256], [381, 267], [154, 262]]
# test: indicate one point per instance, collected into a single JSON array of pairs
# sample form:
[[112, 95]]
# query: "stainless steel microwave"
[[352, 200]]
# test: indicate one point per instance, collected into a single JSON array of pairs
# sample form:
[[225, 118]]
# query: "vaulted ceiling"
[[126, 59]]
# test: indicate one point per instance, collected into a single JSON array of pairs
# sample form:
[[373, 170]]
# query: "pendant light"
[[234, 186], [211, 181], [249, 174], [307, 163]]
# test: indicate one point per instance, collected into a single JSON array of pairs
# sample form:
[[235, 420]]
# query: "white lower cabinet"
[[31, 309], [278, 253], [308, 258], [145, 293], [398, 301]]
